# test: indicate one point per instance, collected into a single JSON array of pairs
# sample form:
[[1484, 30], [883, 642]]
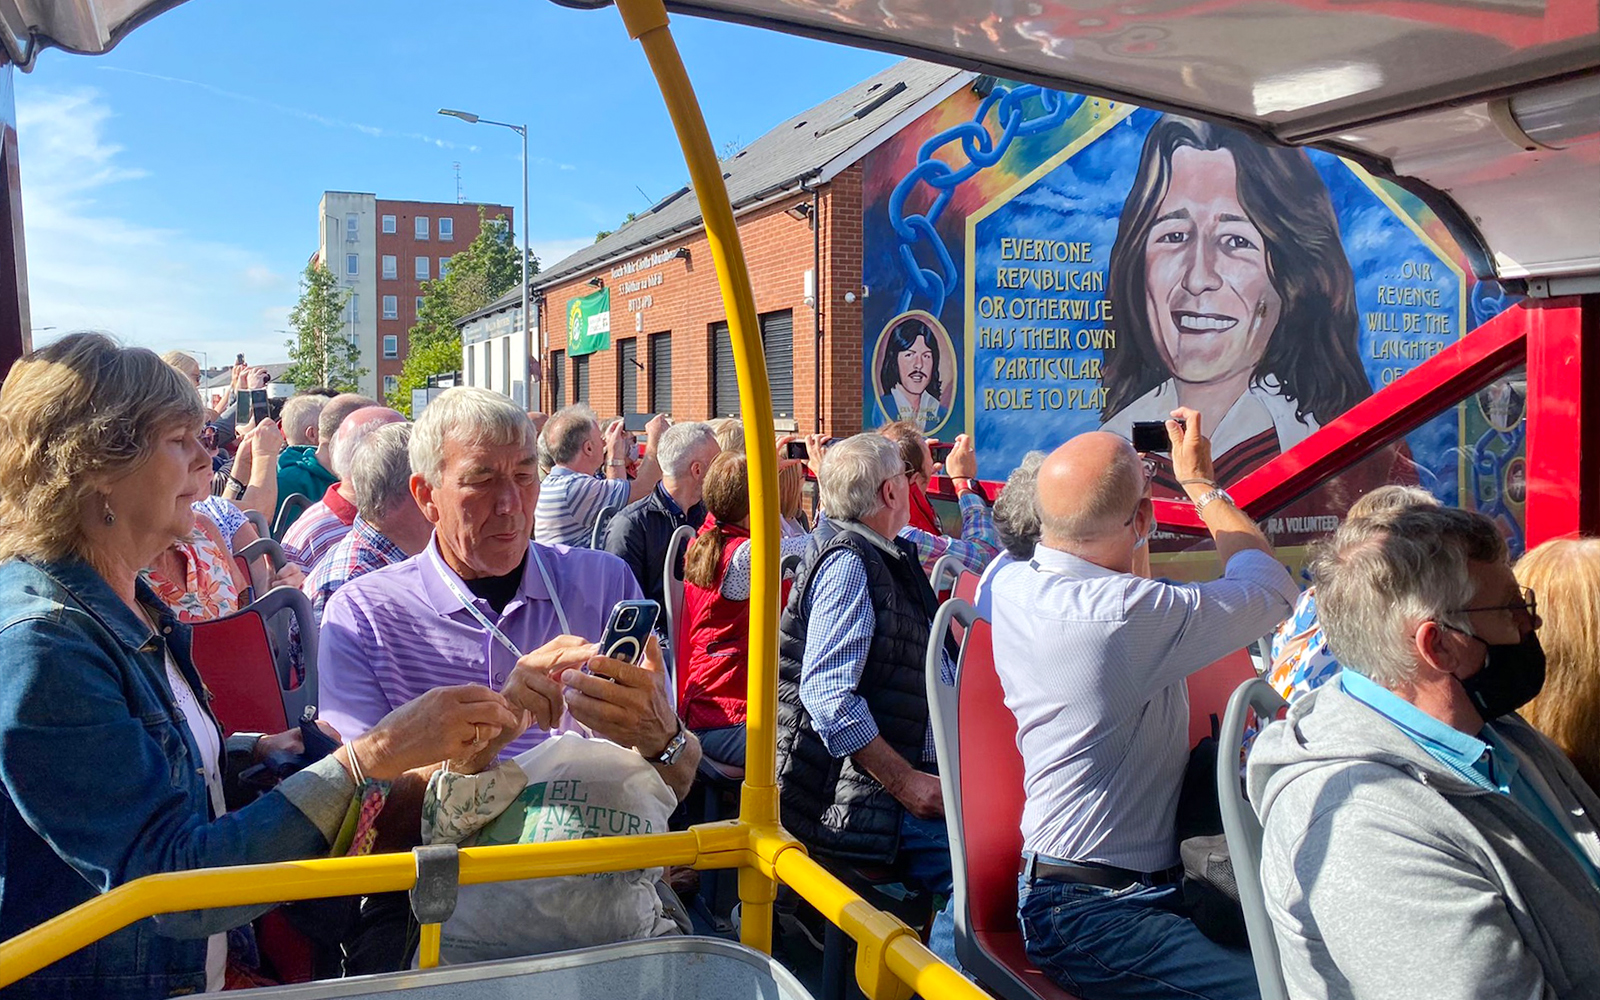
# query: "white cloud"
[[89, 268]]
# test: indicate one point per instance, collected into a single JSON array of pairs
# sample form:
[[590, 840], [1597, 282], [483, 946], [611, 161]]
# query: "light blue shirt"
[[839, 634], [1484, 760], [1094, 663]]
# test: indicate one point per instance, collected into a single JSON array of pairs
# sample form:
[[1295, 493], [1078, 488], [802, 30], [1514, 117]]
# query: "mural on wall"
[[1090, 264]]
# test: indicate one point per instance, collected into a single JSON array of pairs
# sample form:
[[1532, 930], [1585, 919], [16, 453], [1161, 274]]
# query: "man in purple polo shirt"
[[482, 604]]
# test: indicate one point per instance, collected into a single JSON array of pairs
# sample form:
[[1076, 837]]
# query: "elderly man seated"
[[481, 604], [321, 526], [1421, 839], [856, 760], [1093, 658], [571, 498]]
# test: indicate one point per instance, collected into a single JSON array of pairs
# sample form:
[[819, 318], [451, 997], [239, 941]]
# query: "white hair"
[[1016, 509], [300, 414], [1380, 577], [467, 415], [681, 444], [852, 473], [380, 472]]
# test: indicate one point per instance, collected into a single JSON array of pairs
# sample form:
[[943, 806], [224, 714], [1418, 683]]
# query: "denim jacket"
[[101, 783]]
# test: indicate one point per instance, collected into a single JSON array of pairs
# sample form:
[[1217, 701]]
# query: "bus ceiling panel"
[[1289, 66], [87, 27]]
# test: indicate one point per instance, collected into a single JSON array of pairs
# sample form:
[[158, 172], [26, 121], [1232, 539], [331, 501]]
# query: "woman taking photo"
[[112, 764], [716, 607]]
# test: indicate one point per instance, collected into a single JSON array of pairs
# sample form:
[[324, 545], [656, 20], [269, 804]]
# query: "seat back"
[[965, 590], [1210, 688], [602, 520], [291, 507], [250, 676], [946, 570], [982, 802], [1243, 829], [672, 590], [263, 526], [788, 569]]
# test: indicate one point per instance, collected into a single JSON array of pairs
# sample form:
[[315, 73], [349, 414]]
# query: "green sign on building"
[[589, 323]]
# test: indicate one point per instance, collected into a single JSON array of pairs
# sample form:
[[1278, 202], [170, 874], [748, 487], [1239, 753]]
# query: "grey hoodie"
[[1387, 875]]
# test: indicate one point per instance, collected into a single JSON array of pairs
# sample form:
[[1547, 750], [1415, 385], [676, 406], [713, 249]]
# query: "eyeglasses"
[[1149, 474], [1529, 605], [906, 471]]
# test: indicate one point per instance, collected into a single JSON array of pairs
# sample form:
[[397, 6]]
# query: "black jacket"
[[638, 534], [836, 808]]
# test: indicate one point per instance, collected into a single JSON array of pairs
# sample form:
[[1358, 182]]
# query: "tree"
[[602, 234], [321, 353], [487, 269]]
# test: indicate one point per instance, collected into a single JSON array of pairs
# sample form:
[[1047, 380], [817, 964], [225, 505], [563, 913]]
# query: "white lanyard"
[[471, 604]]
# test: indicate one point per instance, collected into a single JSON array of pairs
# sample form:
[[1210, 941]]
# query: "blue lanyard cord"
[[471, 604]]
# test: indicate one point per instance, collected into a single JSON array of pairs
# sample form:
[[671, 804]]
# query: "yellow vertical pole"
[[428, 946], [646, 21]]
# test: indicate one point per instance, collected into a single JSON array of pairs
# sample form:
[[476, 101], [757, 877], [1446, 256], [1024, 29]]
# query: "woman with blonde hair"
[[1564, 575], [113, 766]]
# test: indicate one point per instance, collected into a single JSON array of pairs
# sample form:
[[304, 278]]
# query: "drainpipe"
[[816, 307]]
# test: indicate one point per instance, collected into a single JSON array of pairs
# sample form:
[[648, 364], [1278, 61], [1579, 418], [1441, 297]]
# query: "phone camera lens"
[[626, 618]]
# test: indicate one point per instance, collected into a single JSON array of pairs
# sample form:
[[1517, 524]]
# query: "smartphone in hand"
[[628, 630], [1151, 435]]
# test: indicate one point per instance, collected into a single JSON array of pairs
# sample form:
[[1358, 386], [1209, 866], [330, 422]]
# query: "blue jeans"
[[725, 745], [925, 859], [1127, 944]]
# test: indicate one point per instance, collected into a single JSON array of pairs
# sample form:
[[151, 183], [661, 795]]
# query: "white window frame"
[[444, 265], [420, 227], [391, 307], [419, 306], [352, 229], [388, 350], [422, 269], [447, 229], [391, 266], [388, 225], [352, 265], [390, 384]]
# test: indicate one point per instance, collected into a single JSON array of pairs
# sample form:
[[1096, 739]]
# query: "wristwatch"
[[674, 750], [968, 485], [617, 463], [1217, 494]]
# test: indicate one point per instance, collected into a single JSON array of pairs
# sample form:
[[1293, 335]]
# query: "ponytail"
[[727, 499]]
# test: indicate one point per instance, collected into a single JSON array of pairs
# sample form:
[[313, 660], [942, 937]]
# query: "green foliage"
[[602, 234], [487, 269], [321, 351]]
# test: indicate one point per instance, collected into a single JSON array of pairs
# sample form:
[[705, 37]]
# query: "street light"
[[527, 318]]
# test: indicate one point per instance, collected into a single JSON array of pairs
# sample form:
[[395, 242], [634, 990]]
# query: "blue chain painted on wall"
[[982, 150]]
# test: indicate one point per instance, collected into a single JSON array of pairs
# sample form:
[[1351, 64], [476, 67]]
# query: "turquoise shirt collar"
[[1476, 760]]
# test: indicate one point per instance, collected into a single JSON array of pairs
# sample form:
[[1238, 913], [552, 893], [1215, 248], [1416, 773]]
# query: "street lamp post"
[[527, 318]]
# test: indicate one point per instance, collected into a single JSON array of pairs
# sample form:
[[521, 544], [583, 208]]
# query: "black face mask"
[[1512, 675]]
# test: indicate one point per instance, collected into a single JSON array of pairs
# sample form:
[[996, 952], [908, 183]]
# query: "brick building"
[[796, 193], [382, 251]]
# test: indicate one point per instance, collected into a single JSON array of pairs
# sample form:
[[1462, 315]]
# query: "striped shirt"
[[838, 637], [1093, 664], [569, 504], [976, 546], [400, 631], [358, 553], [319, 529]]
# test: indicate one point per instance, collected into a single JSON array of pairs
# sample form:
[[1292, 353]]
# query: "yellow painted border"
[[1111, 114]]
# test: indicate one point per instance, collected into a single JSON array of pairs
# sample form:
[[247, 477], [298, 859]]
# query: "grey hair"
[[300, 414], [852, 472], [1390, 500], [681, 444], [1101, 506], [380, 471], [1382, 576], [347, 441], [1016, 509], [470, 416], [568, 430]]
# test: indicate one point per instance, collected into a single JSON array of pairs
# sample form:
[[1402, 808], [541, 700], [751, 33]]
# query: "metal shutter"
[[661, 373], [628, 376], [558, 372], [725, 378], [777, 340], [580, 378]]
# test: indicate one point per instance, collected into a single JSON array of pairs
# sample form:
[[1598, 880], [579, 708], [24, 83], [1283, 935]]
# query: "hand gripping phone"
[[628, 630]]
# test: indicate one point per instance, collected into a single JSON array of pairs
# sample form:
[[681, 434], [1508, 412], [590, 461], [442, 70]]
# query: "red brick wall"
[[778, 250], [406, 248]]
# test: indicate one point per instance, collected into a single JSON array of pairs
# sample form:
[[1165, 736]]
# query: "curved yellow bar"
[[646, 20]]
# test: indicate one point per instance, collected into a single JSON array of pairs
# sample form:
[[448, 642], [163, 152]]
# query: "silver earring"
[[110, 515]]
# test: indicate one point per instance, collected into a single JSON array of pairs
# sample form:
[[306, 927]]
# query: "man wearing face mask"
[[1094, 657], [1407, 803]]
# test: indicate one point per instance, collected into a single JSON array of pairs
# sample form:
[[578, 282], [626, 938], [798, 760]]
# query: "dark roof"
[[796, 149]]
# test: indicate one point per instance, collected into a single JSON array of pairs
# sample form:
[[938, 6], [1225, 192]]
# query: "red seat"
[[972, 723], [250, 677], [966, 589], [1210, 689]]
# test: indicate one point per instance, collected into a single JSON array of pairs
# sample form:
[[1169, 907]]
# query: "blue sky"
[[170, 188]]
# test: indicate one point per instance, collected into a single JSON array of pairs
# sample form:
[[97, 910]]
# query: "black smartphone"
[[797, 449], [1151, 435], [628, 630], [940, 450], [239, 359], [260, 407], [249, 405]]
